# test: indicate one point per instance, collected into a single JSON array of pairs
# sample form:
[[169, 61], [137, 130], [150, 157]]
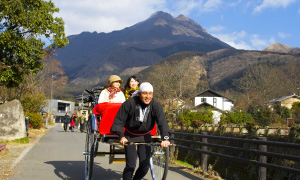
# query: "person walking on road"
[[72, 122], [82, 122], [66, 122]]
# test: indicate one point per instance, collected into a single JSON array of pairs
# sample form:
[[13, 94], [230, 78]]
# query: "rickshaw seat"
[[108, 111]]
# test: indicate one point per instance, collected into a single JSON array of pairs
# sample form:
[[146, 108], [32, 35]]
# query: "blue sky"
[[243, 24]]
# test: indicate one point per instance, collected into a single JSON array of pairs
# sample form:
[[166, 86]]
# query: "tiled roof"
[[283, 98]]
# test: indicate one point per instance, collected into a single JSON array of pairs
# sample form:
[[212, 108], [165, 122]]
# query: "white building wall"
[[216, 116], [222, 103]]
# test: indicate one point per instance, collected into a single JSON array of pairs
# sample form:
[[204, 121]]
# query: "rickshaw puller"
[[138, 115]]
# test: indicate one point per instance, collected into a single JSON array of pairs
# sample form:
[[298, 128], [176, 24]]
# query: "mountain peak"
[[282, 48], [182, 18], [161, 14], [277, 46]]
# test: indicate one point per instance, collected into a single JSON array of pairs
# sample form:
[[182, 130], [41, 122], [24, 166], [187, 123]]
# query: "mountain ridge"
[[91, 57]]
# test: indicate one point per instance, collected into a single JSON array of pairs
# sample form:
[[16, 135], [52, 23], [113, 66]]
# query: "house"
[[58, 109], [216, 101], [83, 110], [285, 101]]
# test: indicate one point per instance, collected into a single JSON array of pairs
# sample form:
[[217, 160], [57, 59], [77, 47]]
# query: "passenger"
[[113, 91], [138, 115], [131, 86]]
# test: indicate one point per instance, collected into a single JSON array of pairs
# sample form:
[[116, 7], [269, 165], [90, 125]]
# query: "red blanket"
[[108, 111]]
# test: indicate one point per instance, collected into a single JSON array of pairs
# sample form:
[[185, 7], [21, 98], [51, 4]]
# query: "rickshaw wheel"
[[89, 151], [159, 162]]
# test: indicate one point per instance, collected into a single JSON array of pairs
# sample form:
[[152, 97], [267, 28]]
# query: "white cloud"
[[235, 39], [299, 11], [260, 44], [273, 4], [283, 35], [107, 16], [103, 15], [211, 5], [243, 40], [217, 28], [185, 7], [232, 4]]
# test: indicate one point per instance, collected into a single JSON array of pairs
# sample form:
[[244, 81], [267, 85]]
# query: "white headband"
[[146, 87]]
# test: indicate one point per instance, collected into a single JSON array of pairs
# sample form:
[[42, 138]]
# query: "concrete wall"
[[12, 121]]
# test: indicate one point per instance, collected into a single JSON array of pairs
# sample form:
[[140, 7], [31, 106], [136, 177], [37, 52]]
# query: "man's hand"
[[123, 141], [165, 143]]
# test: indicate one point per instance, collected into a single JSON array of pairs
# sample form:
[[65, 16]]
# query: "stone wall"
[[12, 121]]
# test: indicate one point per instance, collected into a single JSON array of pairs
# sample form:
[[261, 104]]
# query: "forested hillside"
[[256, 76]]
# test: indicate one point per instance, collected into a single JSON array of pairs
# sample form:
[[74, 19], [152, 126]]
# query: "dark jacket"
[[129, 113], [67, 119]]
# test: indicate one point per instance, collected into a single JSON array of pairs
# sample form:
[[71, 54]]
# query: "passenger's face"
[[133, 83], [146, 96], [116, 84]]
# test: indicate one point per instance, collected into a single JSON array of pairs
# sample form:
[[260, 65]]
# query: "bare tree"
[[261, 83]]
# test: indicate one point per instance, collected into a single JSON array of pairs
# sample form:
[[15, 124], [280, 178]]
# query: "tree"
[[22, 24], [261, 83], [51, 77], [176, 78]]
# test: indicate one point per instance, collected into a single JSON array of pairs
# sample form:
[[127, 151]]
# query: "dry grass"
[[199, 172], [13, 150], [33, 133]]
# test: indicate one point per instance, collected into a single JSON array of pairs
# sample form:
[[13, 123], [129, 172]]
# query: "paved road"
[[58, 155]]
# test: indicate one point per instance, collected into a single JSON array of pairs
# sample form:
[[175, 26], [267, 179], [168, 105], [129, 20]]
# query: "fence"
[[261, 151], [235, 129]]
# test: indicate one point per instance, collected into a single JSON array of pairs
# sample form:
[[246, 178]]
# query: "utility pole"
[[50, 103]]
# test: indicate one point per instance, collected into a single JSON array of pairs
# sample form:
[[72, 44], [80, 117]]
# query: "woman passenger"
[[113, 91], [131, 86]]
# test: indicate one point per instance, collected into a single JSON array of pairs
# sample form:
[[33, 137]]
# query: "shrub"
[[203, 114], [291, 123], [33, 103], [181, 122], [296, 112], [251, 127], [197, 123], [236, 117], [262, 115], [35, 119]]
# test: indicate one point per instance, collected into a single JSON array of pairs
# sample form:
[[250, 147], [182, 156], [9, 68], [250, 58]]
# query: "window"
[[215, 102], [62, 107], [203, 99]]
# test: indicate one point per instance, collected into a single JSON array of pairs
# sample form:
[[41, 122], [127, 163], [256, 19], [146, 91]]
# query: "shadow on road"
[[75, 170]]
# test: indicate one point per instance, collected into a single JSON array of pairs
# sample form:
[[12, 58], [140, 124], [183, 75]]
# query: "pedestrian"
[[138, 115], [82, 122], [72, 122], [66, 122], [131, 86], [112, 92]]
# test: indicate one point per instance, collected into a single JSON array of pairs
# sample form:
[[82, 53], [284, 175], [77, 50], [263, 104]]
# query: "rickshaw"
[[98, 131]]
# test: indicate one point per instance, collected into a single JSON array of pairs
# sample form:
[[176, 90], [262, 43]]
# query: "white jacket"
[[104, 97]]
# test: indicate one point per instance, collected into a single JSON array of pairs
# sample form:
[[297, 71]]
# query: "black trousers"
[[81, 127], [66, 126], [131, 154]]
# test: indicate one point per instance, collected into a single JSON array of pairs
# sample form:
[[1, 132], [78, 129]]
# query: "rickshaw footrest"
[[117, 160]]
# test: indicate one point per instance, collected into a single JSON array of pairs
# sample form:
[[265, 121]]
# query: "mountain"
[[281, 48], [91, 57]]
